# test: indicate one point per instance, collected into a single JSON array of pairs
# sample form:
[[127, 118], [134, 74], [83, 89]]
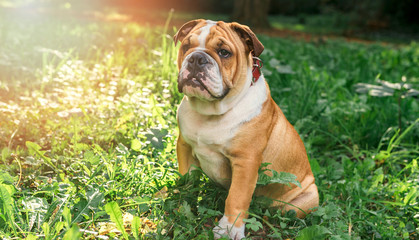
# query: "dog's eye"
[[224, 53]]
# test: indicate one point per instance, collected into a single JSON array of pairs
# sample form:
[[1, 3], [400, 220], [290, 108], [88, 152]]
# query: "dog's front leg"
[[185, 156], [243, 183]]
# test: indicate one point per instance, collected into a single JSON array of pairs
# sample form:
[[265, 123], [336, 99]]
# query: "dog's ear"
[[248, 37], [185, 29]]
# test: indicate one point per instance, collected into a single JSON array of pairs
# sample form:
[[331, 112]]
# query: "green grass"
[[347, 25], [88, 131], [316, 24]]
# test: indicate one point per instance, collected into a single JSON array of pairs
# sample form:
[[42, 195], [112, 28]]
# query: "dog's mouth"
[[195, 80], [197, 84], [189, 80]]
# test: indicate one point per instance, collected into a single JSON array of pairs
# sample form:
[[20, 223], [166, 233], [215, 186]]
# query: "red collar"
[[257, 65]]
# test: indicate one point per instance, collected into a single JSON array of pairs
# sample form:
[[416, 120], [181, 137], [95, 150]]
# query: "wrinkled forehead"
[[205, 31], [201, 34]]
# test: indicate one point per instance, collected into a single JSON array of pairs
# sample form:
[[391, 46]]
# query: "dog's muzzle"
[[200, 75]]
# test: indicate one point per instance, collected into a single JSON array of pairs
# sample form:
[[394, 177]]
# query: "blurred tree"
[[252, 12]]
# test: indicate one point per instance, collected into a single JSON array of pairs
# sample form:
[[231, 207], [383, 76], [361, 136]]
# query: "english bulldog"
[[229, 124]]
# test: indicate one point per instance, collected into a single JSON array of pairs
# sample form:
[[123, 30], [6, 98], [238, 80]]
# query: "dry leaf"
[[162, 193], [146, 225]]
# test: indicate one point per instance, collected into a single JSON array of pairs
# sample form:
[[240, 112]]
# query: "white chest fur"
[[210, 135]]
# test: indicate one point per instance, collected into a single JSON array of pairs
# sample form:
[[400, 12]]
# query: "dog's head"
[[215, 59]]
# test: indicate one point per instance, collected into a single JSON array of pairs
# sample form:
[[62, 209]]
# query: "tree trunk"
[[253, 13]]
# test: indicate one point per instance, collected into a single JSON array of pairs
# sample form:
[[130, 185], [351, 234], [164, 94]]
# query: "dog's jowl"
[[229, 124]]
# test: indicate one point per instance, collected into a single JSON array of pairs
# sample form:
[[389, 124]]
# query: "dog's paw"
[[226, 229]]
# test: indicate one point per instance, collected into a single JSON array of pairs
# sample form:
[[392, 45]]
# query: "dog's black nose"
[[198, 59]]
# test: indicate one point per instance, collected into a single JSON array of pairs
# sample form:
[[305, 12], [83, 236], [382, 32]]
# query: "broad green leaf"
[[337, 237], [315, 166], [412, 93], [6, 178], [386, 89], [281, 68], [208, 212], [185, 209], [283, 225], [112, 209], [31, 237], [33, 148], [136, 145], [382, 156], [6, 193], [373, 90], [412, 195], [313, 232], [253, 224], [92, 158], [46, 229], [281, 177], [67, 217], [273, 62], [331, 211], [72, 233], [155, 137], [92, 201], [122, 149], [59, 226], [410, 227], [36, 209], [135, 226]]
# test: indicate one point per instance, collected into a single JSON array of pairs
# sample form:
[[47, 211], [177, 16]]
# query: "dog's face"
[[214, 58]]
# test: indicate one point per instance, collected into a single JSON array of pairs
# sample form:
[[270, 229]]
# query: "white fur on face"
[[205, 30]]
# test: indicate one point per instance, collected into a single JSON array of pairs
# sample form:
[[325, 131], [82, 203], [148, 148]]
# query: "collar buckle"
[[257, 65]]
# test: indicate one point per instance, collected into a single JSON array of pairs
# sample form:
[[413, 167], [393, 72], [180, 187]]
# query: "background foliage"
[[88, 131]]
